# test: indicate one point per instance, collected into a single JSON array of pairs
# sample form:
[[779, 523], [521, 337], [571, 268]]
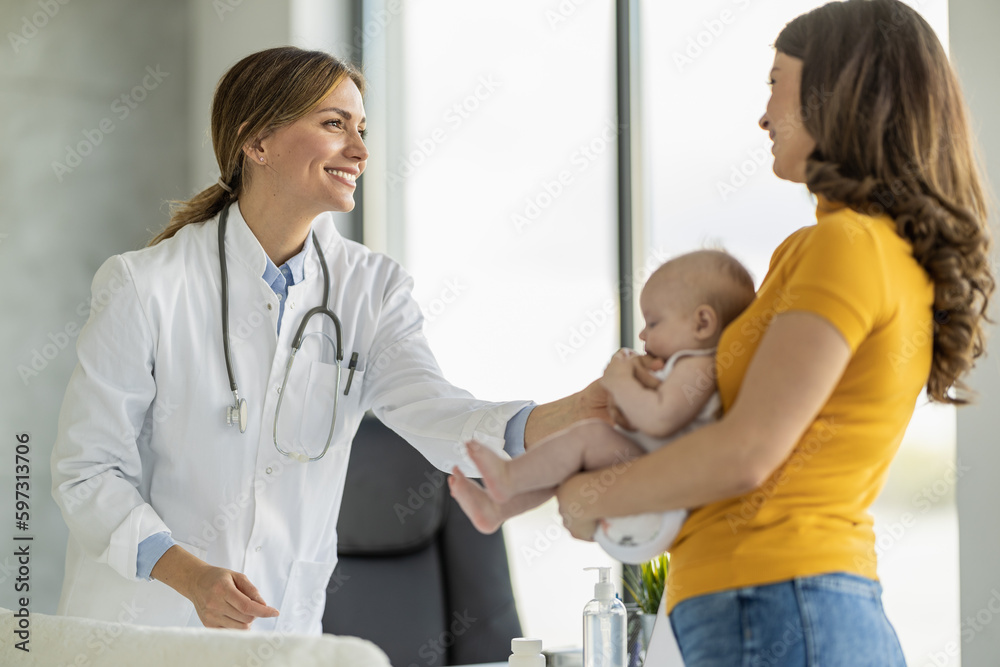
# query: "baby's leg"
[[486, 514], [589, 444]]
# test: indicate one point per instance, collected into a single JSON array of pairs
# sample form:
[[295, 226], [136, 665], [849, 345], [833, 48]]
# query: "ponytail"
[[263, 92]]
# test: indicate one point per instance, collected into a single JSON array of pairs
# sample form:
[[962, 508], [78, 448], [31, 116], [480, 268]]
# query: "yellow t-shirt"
[[811, 516]]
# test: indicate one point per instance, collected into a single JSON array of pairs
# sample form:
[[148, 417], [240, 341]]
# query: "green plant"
[[646, 586]]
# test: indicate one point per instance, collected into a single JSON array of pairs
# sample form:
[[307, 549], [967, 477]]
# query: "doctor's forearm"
[[549, 418], [175, 568]]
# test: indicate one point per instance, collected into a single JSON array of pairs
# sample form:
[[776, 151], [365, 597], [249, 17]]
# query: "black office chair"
[[413, 575]]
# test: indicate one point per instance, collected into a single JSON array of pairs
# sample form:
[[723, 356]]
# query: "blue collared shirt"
[[292, 272]]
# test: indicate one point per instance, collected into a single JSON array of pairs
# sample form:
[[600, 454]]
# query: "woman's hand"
[[573, 505], [227, 599], [222, 598]]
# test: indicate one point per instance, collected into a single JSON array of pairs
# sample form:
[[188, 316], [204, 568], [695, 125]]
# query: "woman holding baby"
[[884, 294]]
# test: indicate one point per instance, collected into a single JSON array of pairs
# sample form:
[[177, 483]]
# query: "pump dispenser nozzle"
[[603, 589]]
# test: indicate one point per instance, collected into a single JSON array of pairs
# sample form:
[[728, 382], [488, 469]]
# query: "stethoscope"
[[237, 413]]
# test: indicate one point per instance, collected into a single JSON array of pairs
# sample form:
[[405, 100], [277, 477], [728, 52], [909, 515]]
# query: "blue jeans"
[[833, 620]]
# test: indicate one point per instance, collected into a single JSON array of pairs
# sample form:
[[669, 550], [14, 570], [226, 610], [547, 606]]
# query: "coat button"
[[268, 471], [257, 549], [269, 307]]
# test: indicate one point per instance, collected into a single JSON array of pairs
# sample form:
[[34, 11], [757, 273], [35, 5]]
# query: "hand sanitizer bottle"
[[604, 625]]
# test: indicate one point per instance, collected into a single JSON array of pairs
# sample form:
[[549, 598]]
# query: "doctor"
[[189, 500]]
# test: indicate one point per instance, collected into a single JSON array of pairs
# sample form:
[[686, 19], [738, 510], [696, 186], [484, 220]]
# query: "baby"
[[686, 303]]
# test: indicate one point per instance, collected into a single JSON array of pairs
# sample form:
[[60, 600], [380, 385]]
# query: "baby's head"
[[688, 301]]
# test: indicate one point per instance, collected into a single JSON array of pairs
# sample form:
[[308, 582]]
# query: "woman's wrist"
[[579, 498], [177, 568]]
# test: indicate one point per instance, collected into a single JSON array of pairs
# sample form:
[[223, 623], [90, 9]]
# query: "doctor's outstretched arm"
[[407, 391]]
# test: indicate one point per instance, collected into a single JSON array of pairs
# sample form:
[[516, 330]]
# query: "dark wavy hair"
[[886, 111]]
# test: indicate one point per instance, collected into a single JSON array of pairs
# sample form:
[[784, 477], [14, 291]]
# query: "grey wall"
[[975, 53], [61, 88]]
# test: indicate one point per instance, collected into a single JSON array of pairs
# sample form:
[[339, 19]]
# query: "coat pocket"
[[322, 393], [305, 598]]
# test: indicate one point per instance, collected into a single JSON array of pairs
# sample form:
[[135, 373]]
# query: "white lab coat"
[[143, 445]]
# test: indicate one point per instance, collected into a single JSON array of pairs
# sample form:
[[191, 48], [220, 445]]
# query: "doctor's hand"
[[226, 599], [222, 598]]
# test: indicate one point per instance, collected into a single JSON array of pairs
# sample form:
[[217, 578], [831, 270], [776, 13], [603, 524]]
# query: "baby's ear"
[[706, 322]]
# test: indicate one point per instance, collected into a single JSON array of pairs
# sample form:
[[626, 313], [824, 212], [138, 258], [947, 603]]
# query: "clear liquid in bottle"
[[604, 634]]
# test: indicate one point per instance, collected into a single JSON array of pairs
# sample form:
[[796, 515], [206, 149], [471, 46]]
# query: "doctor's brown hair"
[[261, 93], [885, 108]]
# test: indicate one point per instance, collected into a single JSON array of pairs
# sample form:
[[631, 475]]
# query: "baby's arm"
[[673, 404]]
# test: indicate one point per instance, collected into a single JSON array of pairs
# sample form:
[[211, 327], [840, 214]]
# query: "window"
[[504, 172]]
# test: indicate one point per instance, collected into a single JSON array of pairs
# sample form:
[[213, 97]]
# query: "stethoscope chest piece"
[[237, 414]]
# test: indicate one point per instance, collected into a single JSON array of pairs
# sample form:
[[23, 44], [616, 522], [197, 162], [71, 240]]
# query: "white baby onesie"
[[642, 537]]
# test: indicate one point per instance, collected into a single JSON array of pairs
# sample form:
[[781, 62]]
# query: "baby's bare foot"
[[496, 476], [475, 502]]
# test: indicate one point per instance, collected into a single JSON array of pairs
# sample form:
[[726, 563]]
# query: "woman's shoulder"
[[173, 249], [861, 237]]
